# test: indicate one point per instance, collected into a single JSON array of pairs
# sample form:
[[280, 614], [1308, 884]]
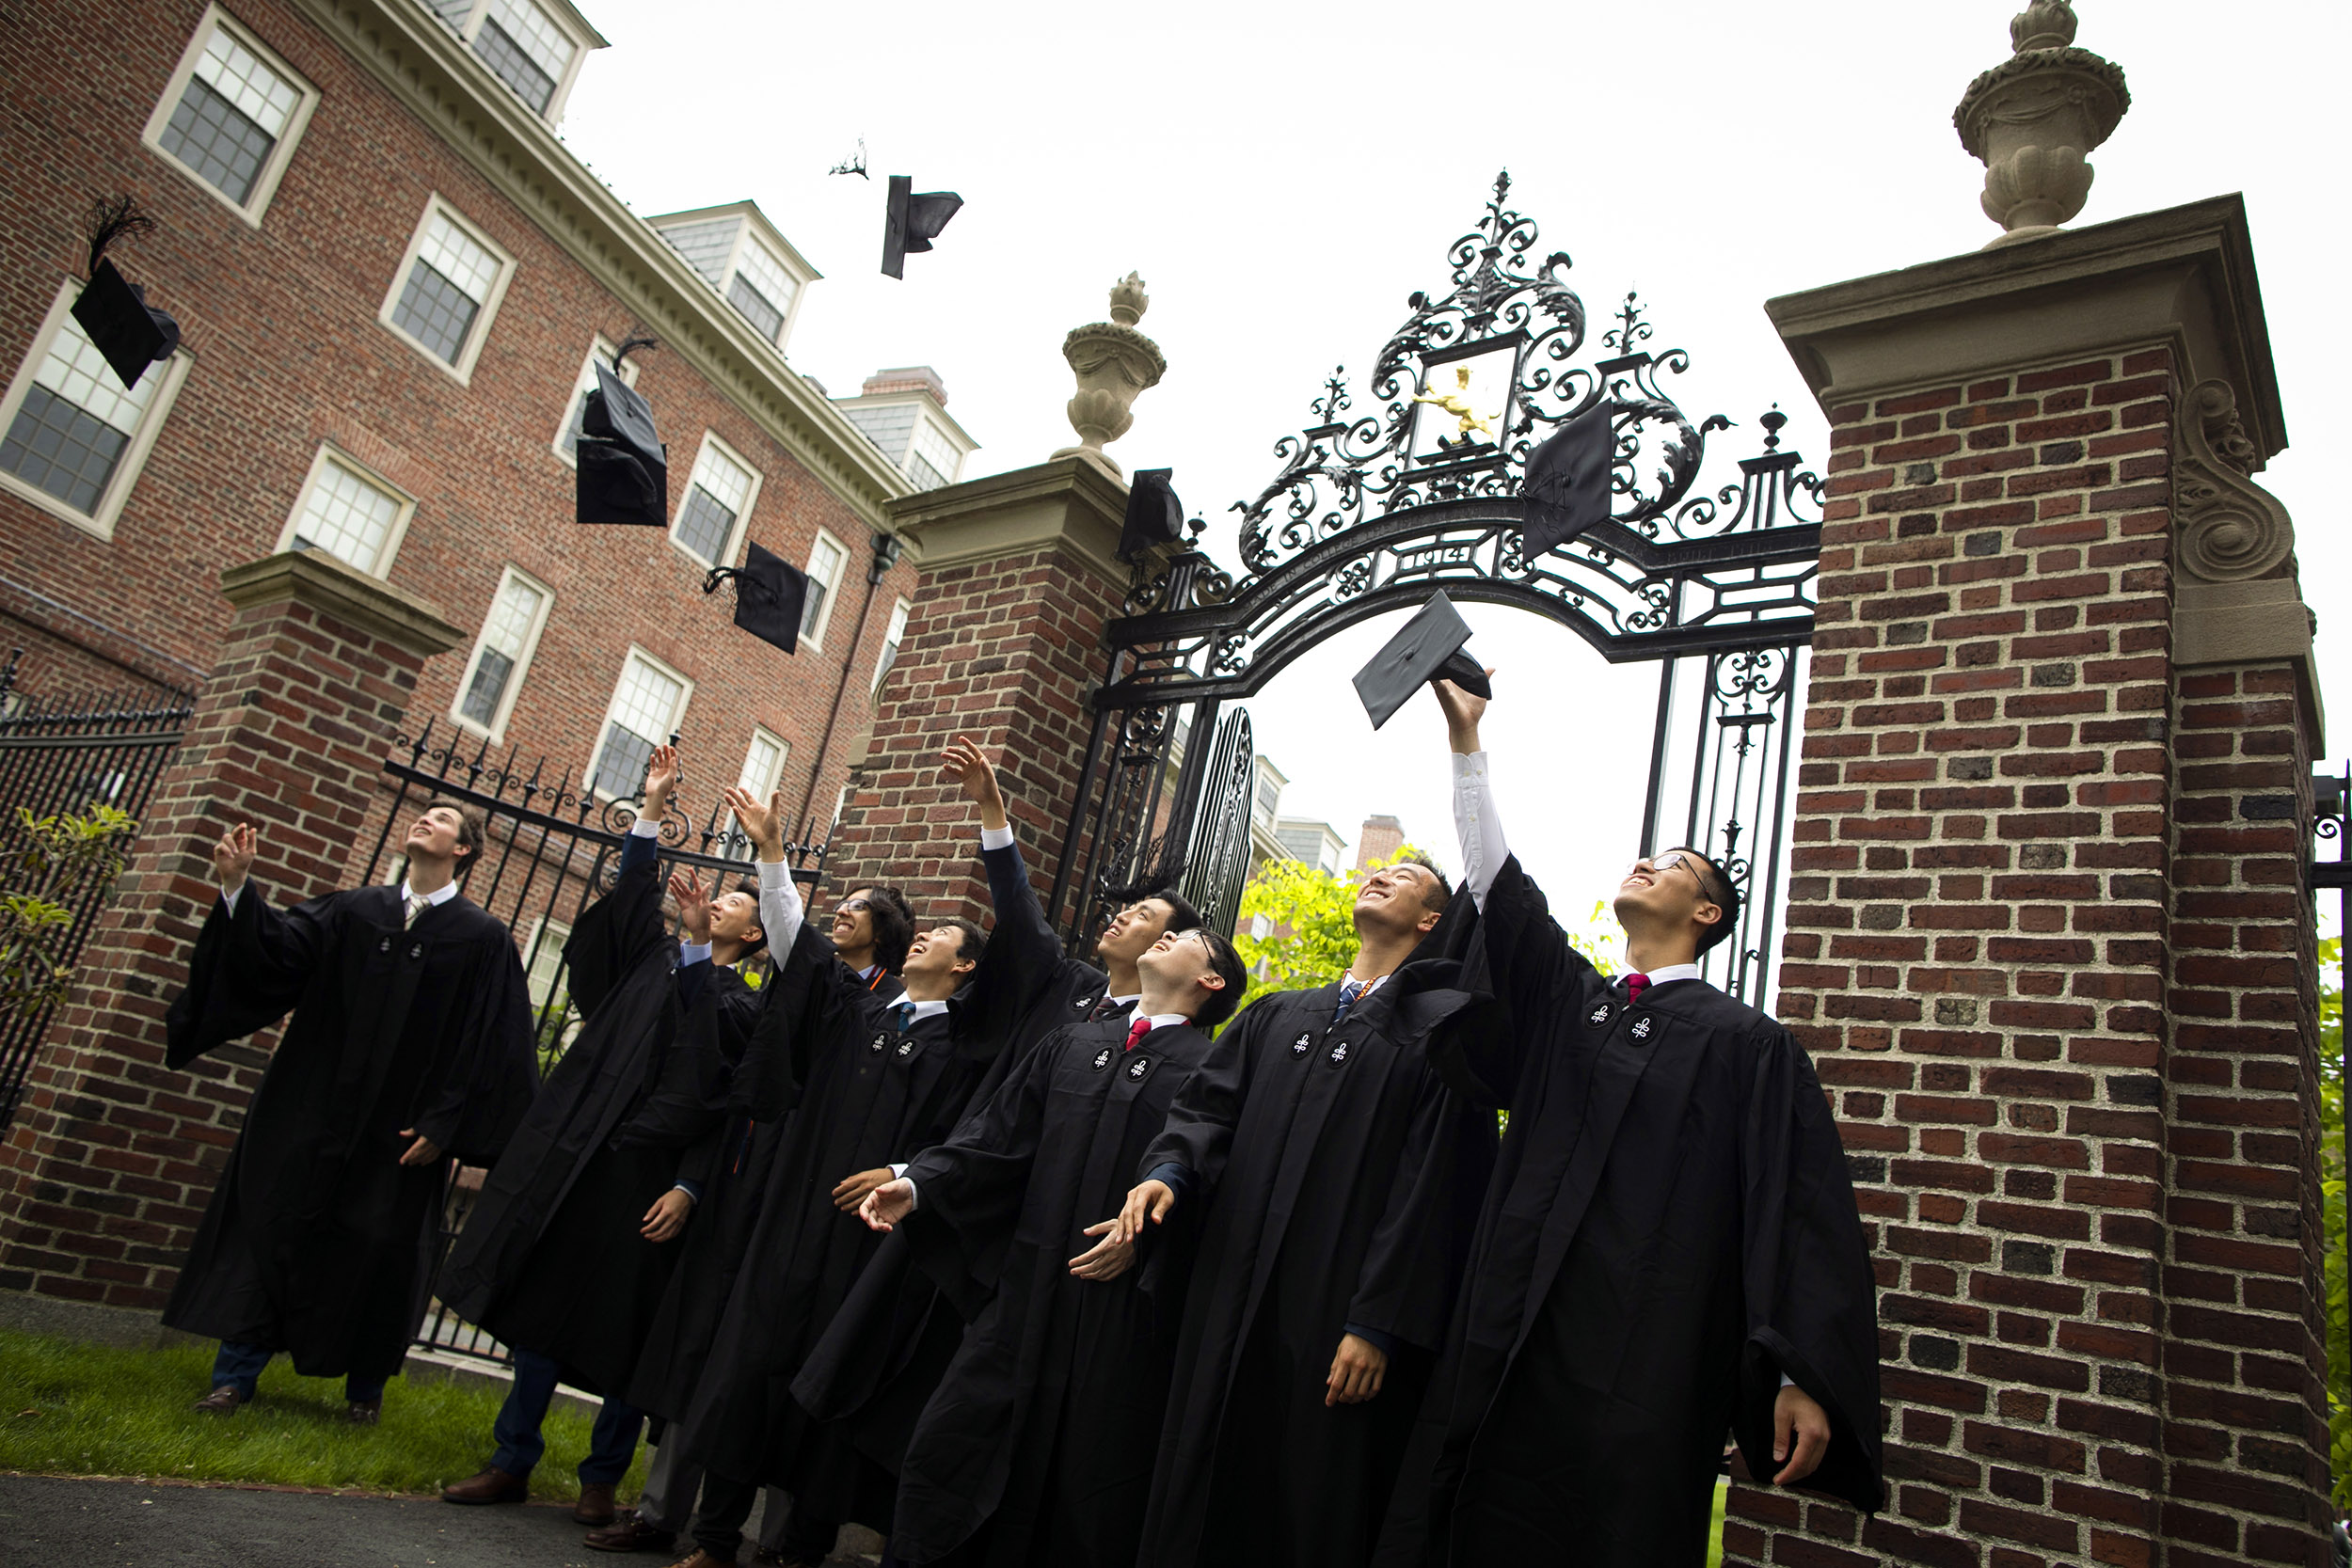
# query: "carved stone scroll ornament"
[[2229, 529]]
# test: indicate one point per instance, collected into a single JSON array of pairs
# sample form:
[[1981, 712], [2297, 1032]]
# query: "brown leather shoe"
[[704, 1560], [596, 1503], [493, 1485], [629, 1532], [222, 1401], [364, 1412]]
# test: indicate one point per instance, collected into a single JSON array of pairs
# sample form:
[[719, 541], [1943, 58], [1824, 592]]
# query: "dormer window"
[[904, 413], [739, 254], [533, 48]]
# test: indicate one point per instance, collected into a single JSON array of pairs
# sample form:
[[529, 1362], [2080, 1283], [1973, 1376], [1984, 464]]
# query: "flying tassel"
[[111, 218]]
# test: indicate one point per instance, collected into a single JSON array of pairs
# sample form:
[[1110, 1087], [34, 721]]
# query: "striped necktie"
[[413, 905], [1350, 989]]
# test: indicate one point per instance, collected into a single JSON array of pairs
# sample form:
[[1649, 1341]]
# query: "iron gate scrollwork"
[[1370, 512]]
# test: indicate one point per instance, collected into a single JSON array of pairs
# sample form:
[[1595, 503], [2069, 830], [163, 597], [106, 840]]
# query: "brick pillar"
[[2048, 942], [1019, 575], [112, 1156]]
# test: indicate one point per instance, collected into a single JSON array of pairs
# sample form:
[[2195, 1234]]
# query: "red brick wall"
[[288, 352], [1003, 651], [106, 1168], [1984, 927]]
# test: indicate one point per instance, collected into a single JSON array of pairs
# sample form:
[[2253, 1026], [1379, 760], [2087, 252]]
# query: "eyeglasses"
[[856, 906], [1673, 860]]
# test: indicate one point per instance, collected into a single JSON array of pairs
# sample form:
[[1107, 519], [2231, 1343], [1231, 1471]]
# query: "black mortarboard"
[[129, 332], [1429, 648], [911, 222], [624, 468], [1154, 515], [769, 592], [1567, 481]]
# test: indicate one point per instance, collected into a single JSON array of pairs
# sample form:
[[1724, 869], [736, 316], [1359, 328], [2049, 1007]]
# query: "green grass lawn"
[[68, 1409]]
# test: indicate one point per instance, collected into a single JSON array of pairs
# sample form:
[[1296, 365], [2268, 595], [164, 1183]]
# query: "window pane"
[[729, 482], [535, 34], [451, 11], [459, 258], [508, 61], [545, 958], [347, 517], [890, 644], [704, 526], [813, 607], [824, 571], [487, 685], [920, 471], [223, 146], [933, 448], [766, 274], [238, 75], [433, 310], [76, 371], [756, 308], [761, 763], [644, 709], [58, 447]]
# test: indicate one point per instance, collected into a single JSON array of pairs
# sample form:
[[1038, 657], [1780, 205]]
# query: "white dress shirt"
[[442, 895]]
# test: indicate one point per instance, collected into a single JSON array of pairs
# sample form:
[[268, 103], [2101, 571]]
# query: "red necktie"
[[1634, 985], [1136, 1032]]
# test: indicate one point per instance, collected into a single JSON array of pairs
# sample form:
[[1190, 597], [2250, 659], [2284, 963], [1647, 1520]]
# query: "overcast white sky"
[[1283, 175]]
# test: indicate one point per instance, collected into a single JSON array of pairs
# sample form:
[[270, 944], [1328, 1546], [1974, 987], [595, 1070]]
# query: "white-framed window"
[[763, 764], [72, 440], [568, 433], [718, 499], [826, 559], [761, 289], [501, 655], [448, 288], [534, 49], [840, 804], [542, 961], [647, 703], [933, 461], [230, 115], [350, 512], [891, 638]]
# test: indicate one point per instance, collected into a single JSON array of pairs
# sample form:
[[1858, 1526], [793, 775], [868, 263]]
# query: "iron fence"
[[552, 846], [69, 754]]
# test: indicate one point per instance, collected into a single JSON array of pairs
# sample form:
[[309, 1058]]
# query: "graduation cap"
[[623, 469], [129, 332], [1429, 648], [1567, 481], [1154, 515], [911, 222], [769, 593]]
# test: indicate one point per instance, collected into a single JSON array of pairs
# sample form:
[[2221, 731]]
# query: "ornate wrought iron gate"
[[1370, 514]]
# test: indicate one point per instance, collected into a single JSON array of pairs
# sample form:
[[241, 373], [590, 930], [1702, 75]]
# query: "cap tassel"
[[111, 218], [628, 346]]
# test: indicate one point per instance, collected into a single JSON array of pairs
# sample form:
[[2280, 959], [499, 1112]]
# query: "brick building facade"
[[389, 276]]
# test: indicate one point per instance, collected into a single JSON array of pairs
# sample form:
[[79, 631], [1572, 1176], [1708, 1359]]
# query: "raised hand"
[[762, 820], [1462, 711], [233, 857], [1106, 1258], [970, 771], [1149, 1203], [660, 782], [886, 1205], [693, 904]]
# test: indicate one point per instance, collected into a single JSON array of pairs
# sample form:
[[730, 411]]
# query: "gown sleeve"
[[1023, 953], [249, 970], [969, 1190], [1811, 1298], [1518, 955], [1404, 1289], [1199, 1134], [620, 930], [493, 1074]]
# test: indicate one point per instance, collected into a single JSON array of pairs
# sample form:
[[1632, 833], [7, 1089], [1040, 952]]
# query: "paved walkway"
[[126, 1524]]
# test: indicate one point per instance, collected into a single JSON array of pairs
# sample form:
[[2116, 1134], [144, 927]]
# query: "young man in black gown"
[[568, 1248], [410, 1044], [1332, 1175], [1669, 1248]]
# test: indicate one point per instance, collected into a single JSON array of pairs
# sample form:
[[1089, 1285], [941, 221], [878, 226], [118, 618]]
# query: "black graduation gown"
[[1669, 1228], [875, 1367], [1046, 1424], [1342, 1176], [552, 1259], [811, 993], [317, 1241], [868, 1094]]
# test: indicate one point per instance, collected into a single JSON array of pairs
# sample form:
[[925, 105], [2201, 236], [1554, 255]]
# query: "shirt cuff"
[[773, 875], [647, 827], [898, 1169], [1470, 767], [996, 838], [228, 898], [692, 953], [914, 1194], [694, 1190]]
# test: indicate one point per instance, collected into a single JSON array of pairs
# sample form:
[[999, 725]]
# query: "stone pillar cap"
[[315, 579]]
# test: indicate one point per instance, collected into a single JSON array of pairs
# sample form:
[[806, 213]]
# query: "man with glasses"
[[1669, 1246], [1332, 1175]]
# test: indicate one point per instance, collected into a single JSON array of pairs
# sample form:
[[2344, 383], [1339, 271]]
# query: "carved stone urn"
[[2035, 117], [1114, 364]]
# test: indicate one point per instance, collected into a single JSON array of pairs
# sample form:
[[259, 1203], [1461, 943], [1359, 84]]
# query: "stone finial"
[[2033, 119], [1128, 300], [1114, 364]]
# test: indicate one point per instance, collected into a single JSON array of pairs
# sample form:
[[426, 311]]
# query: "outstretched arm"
[[1476, 821], [780, 910]]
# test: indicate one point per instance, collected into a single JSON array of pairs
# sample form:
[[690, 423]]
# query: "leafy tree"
[[2333, 1198], [57, 855]]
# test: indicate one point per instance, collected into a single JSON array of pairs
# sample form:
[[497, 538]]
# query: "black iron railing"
[[552, 849], [67, 755]]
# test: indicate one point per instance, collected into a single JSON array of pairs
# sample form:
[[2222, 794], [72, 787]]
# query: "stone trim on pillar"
[[106, 1172], [2046, 938], [1020, 573]]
